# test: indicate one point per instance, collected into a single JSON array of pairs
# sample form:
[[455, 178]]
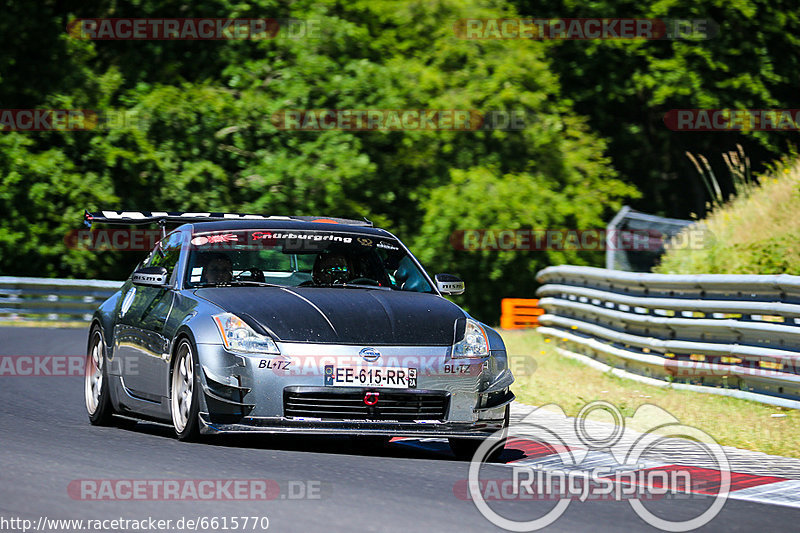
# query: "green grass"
[[42, 324], [755, 233], [571, 384]]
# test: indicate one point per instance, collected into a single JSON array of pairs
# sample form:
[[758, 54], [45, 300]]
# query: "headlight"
[[475, 343], [239, 337]]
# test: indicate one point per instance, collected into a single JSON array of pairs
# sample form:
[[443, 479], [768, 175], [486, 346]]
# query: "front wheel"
[[184, 393], [95, 383], [465, 449]]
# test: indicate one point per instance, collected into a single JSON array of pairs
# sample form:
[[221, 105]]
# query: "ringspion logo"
[[591, 462]]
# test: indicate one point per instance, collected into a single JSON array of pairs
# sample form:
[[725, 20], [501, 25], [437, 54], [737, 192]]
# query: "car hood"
[[342, 316]]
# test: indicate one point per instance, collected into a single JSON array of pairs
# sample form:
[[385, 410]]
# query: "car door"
[[141, 345]]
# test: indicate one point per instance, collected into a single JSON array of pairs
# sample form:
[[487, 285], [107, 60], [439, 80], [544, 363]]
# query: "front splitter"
[[481, 429]]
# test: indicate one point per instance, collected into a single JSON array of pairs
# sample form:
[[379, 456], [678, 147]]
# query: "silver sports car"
[[245, 323]]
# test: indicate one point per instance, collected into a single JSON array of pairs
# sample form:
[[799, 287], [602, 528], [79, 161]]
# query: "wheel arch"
[[184, 332], [104, 336]]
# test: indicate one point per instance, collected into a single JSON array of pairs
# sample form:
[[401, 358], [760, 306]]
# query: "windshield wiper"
[[257, 283], [237, 283], [353, 286]]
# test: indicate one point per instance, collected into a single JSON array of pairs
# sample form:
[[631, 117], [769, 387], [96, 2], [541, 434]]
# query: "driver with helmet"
[[330, 269]]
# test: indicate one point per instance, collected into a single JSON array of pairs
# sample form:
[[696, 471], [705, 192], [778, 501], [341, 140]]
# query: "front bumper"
[[490, 420], [244, 394]]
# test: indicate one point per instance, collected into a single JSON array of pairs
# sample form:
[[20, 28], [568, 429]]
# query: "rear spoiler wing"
[[162, 217]]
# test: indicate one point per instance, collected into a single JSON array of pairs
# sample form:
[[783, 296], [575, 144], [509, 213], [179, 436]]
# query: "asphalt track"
[[46, 442]]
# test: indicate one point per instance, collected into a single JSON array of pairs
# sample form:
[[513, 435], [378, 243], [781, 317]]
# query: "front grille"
[[347, 404]]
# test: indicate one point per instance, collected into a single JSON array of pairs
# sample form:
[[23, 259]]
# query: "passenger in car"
[[218, 268]]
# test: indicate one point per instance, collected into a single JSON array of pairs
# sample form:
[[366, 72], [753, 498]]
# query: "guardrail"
[[62, 300], [733, 332], [518, 313]]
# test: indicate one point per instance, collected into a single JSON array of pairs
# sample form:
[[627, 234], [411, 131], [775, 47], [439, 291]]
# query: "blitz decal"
[[457, 369], [275, 365]]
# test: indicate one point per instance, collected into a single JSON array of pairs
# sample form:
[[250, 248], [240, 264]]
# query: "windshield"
[[292, 258]]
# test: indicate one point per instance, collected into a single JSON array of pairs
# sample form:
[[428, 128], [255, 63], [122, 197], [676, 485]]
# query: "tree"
[[626, 87]]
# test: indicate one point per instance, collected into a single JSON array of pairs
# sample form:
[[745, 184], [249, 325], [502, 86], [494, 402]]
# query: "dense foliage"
[[625, 87], [204, 139]]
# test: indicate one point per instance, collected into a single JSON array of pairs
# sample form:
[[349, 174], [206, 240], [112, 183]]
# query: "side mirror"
[[449, 284], [150, 277]]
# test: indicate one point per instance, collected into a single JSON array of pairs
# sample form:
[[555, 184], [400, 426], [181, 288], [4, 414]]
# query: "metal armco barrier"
[[518, 313], [732, 331], [63, 300]]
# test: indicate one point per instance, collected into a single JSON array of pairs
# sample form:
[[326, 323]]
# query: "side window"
[[167, 253], [409, 278]]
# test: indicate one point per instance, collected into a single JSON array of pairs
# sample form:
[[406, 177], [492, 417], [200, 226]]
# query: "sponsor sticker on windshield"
[[293, 240]]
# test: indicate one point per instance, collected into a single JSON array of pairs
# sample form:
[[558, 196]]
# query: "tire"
[[185, 393], [464, 449], [95, 382]]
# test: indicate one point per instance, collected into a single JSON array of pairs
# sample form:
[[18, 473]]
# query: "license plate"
[[390, 377]]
